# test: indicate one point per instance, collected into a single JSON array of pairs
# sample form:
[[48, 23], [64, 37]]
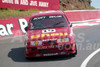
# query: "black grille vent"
[[50, 42], [50, 50]]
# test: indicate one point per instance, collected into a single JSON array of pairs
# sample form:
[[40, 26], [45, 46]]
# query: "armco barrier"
[[15, 26], [82, 15]]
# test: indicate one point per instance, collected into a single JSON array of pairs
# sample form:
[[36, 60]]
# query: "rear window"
[[51, 21]]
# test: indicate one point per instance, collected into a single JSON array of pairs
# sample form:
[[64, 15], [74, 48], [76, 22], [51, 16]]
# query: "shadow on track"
[[17, 55]]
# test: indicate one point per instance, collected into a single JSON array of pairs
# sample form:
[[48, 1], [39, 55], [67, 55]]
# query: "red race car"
[[49, 34]]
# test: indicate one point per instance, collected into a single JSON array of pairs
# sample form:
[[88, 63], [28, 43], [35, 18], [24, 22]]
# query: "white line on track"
[[84, 64]]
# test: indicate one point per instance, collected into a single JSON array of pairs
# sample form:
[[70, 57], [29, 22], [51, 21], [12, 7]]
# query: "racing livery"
[[49, 34]]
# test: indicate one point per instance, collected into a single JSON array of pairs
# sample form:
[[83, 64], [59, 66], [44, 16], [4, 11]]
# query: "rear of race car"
[[50, 41]]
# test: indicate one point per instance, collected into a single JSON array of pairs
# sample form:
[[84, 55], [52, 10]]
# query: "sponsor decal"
[[23, 23], [30, 4], [26, 2], [6, 30], [50, 47], [52, 34], [48, 31], [50, 54], [12, 29]]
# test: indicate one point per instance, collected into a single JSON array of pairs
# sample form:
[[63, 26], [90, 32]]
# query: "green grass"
[[11, 13]]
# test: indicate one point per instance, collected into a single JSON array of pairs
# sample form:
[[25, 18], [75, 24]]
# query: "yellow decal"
[[36, 42], [53, 34], [35, 36], [65, 33], [56, 34], [63, 40], [43, 35], [61, 34]]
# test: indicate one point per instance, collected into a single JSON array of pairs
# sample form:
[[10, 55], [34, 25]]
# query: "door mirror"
[[71, 25]]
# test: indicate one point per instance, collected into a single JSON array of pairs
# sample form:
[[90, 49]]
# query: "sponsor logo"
[[50, 54], [48, 31], [47, 35], [50, 47]]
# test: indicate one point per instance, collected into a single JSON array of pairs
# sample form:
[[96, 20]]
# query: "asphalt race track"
[[87, 39]]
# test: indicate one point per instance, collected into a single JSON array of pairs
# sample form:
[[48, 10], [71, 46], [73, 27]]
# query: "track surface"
[[87, 39]]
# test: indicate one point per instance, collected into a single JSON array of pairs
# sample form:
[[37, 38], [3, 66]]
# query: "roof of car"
[[56, 12]]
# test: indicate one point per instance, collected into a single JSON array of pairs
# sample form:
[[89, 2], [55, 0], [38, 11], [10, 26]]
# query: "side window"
[[66, 17], [30, 26], [68, 20]]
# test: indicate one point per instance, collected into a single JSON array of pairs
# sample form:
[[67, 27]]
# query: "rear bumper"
[[51, 50]]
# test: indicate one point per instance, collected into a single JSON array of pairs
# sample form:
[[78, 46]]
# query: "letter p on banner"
[[23, 23]]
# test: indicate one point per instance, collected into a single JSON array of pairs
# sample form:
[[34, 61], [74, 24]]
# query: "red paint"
[[82, 15], [51, 5]]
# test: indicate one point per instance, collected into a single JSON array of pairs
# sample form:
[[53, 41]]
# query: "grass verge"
[[12, 13]]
